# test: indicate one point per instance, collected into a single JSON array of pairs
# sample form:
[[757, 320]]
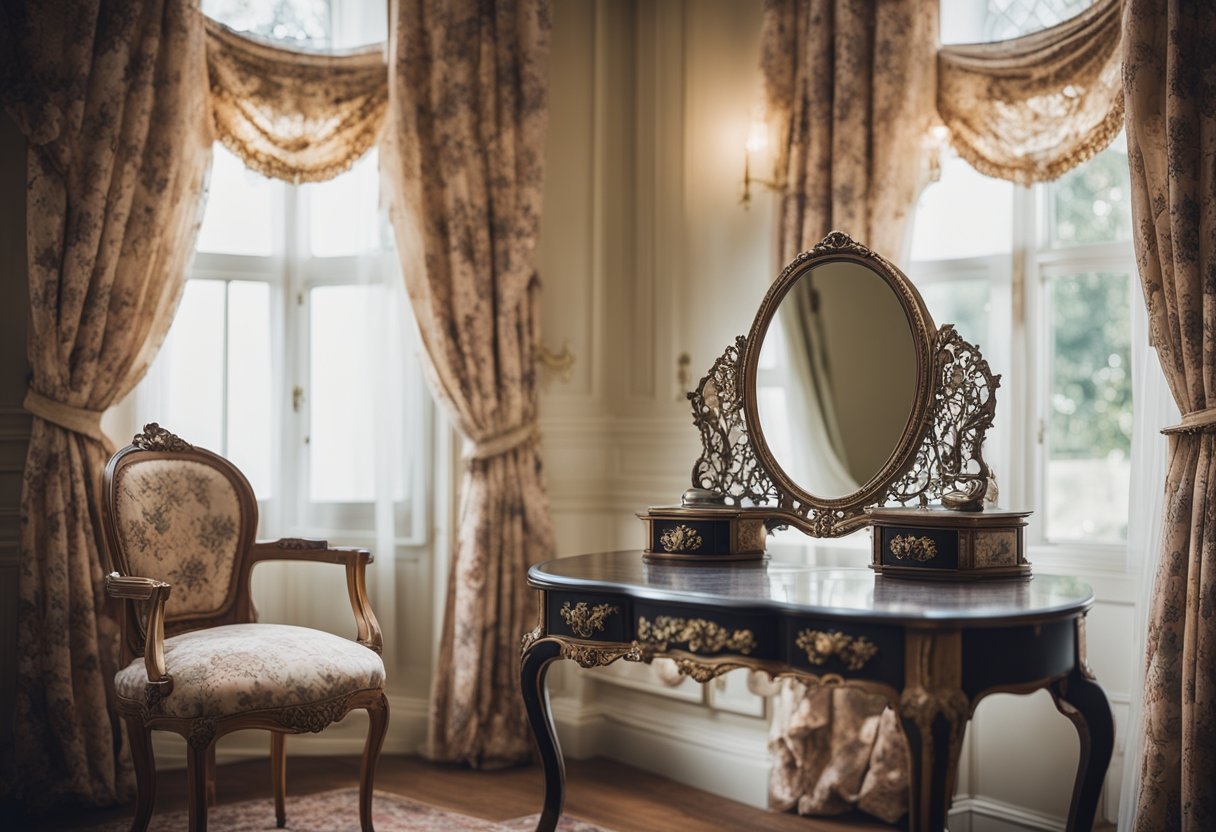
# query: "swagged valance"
[[293, 115], [1031, 109]]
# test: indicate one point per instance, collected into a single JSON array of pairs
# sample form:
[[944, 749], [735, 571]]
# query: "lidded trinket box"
[[703, 528], [937, 543]]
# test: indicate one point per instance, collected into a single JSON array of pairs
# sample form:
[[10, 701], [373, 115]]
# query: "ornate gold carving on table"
[[680, 539], [531, 638], [595, 655], [585, 620], [699, 634], [919, 549], [852, 651]]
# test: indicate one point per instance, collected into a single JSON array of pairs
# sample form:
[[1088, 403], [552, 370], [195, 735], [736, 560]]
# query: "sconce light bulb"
[[757, 137]]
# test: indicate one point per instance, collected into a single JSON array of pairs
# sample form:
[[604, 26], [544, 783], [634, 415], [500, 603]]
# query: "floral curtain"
[[1031, 109], [463, 158], [294, 115], [851, 87], [112, 100], [1168, 76]]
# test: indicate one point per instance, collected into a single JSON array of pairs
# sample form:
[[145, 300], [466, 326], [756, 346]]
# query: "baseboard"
[[406, 735], [980, 814], [718, 752]]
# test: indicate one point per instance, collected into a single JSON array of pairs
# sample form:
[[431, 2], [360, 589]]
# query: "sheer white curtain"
[[1153, 409]]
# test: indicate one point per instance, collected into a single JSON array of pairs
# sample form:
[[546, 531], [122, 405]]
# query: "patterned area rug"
[[338, 811]]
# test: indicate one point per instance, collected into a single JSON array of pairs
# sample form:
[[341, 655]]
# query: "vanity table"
[[932, 650], [845, 406]]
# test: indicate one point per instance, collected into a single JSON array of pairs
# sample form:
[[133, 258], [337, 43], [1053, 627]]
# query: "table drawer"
[[862, 651], [587, 616], [705, 632]]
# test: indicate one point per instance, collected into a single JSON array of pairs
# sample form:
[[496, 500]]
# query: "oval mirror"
[[838, 377]]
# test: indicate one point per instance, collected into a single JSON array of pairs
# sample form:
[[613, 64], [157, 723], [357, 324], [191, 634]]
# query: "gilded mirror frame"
[[938, 455], [840, 248]]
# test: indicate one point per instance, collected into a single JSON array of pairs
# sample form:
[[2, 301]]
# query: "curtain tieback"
[[499, 443], [1197, 421], [76, 419]]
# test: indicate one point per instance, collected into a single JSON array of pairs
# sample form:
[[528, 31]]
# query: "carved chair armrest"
[[319, 551], [154, 593]]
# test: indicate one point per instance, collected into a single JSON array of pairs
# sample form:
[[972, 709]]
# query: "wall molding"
[[715, 751], [979, 814]]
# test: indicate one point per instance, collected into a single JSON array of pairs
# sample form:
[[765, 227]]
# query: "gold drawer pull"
[[584, 620], [700, 635], [853, 651], [682, 539], [919, 549]]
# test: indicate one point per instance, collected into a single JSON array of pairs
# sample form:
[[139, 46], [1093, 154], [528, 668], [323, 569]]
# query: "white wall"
[[646, 255]]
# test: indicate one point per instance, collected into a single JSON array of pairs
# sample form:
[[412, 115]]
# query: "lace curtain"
[[293, 115], [1031, 109]]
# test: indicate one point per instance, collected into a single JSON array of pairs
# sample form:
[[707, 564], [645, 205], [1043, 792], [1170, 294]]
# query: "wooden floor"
[[604, 792]]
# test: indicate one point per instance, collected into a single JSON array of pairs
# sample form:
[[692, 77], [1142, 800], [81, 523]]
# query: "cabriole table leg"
[[535, 667]]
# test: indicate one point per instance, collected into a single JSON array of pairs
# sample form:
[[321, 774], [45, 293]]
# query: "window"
[[1060, 333], [292, 352]]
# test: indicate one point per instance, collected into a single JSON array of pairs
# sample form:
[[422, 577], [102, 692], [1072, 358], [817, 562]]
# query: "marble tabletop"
[[832, 591]]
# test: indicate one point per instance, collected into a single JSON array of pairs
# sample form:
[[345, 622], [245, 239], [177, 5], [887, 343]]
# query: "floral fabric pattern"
[[463, 160], [295, 116], [228, 670], [112, 100], [851, 86], [1169, 79], [179, 521]]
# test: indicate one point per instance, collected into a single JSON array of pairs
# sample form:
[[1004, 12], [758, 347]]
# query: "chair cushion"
[[245, 667]]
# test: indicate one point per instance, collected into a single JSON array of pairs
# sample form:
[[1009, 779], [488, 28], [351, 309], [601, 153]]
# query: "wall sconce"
[[757, 150]]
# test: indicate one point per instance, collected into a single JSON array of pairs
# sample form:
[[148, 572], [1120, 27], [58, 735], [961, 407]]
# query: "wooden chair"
[[180, 523]]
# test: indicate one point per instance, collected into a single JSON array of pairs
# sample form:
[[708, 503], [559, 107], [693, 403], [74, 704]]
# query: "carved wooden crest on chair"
[[180, 524]]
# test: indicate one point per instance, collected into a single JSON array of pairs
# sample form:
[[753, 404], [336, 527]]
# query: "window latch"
[[297, 398]]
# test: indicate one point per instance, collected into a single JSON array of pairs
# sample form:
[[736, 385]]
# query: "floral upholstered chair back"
[[182, 515]]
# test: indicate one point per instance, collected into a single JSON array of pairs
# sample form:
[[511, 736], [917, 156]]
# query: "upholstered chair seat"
[[228, 670], [180, 524]]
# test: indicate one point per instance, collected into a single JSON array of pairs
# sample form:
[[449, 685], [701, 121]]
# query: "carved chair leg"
[[278, 776], [196, 778], [376, 729], [140, 739], [211, 774]]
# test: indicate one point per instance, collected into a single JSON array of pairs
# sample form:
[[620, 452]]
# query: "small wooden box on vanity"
[[702, 529], [941, 544]]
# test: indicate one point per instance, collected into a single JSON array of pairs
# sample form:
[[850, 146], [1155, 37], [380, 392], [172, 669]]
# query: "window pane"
[[304, 23], [343, 213], [241, 206], [249, 392], [194, 372], [947, 224], [1090, 203], [1089, 408], [355, 381], [977, 21], [964, 303]]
